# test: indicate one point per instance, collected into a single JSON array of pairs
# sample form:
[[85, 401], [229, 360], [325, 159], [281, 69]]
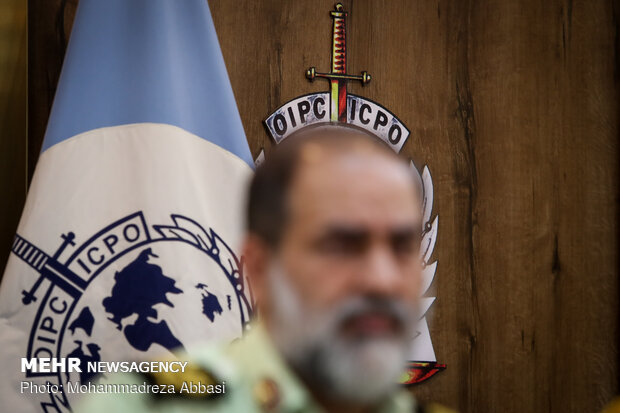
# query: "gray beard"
[[359, 371]]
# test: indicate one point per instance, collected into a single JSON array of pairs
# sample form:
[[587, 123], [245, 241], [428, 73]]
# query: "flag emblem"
[[72, 322]]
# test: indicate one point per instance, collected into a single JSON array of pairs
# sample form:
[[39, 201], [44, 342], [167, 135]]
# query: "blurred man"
[[332, 252]]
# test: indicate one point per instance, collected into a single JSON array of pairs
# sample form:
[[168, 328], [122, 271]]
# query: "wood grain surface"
[[13, 123], [513, 105]]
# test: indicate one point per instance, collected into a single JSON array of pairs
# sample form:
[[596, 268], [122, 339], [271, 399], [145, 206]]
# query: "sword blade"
[[342, 101], [335, 99]]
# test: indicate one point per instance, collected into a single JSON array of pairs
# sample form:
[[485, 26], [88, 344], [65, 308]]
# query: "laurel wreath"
[[187, 230]]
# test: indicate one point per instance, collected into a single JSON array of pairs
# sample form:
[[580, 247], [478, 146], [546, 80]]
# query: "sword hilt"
[[339, 40], [35, 258], [28, 252], [47, 267]]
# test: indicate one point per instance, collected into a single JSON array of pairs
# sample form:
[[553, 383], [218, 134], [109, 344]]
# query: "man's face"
[[339, 295], [353, 230]]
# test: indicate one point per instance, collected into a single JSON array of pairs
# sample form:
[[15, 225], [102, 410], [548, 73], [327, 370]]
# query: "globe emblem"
[[157, 299]]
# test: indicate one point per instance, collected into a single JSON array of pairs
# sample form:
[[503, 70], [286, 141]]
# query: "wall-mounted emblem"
[[338, 106]]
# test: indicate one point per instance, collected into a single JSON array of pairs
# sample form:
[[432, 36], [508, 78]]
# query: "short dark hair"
[[266, 208]]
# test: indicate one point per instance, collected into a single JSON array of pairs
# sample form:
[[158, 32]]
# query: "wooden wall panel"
[[13, 124], [514, 107]]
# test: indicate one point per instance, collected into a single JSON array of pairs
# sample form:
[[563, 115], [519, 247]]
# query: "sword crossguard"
[[312, 74], [67, 239], [28, 296]]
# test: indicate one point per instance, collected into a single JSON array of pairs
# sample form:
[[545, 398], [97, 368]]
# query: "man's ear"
[[257, 256]]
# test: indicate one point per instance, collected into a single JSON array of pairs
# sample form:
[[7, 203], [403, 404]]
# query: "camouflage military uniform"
[[254, 377]]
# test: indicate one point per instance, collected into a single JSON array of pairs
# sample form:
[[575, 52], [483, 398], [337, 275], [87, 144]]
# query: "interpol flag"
[[126, 245]]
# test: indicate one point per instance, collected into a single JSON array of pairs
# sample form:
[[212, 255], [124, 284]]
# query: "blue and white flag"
[[126, 246]]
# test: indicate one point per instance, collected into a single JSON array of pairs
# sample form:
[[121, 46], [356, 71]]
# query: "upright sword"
[[338, 76]]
